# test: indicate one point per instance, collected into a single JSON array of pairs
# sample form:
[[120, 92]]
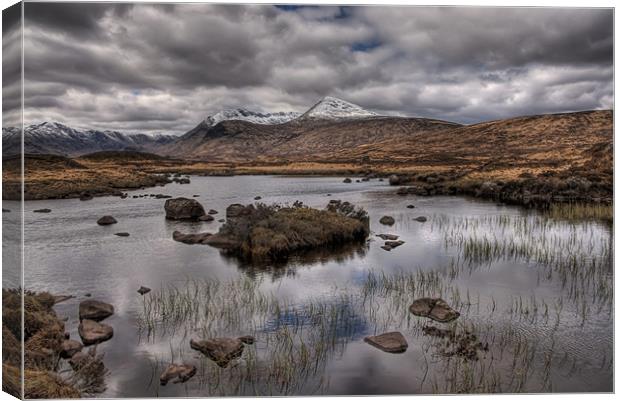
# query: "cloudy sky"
[[163, 68]]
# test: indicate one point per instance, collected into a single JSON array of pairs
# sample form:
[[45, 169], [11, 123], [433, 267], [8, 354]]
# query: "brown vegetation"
[[274, 232]]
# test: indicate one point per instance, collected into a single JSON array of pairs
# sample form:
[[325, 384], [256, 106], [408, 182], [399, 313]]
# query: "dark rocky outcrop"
[[393, 342], [95, 310], [183, 209], [434, 308], [106, 221]]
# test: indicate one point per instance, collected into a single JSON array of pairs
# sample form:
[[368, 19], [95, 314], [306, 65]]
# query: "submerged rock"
[[42, 211], [390, 237], [220, 350], [92, 332], [434, 308], [95, 310], [258, 197], [421, 219], [106, 221], [410, 206], [183, 209], [162, 196], [122, 234], [181, 373], [143, 290], [199, 238], [387, 220], [68, 348], [212, 211], [389, 245], [393, 342]]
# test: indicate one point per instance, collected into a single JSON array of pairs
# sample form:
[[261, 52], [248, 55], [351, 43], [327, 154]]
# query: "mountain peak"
[[332, 108]]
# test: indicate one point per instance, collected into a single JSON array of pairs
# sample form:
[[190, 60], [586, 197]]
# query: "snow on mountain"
[[331, 108], [251, 116], [57, 138]]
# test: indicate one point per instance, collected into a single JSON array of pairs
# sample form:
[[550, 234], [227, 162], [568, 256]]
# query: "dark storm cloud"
[[163, 68]]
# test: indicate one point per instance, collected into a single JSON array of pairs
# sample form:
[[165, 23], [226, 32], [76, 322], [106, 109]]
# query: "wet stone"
[[393, 342]]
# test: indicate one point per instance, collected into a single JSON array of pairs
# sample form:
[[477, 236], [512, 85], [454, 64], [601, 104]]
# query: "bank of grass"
[[43, 335], [275, 231], [581, 211]]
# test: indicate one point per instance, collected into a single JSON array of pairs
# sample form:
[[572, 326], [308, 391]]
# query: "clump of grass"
[[581, 211], [274, 232], [42, 335]]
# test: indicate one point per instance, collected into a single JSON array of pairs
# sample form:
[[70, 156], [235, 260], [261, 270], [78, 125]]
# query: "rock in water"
[[68, 348], [212, 211], [42, 211], [95, 310], [220, 350], [390, 237], [5, 210], [387, 220], [181, 373], [106, 221], [122, 234], [206, 217], [183, 209], [394, 179], [85, 196], [410, 206], [347, 181], [434, 308], [258, 198], [393, 244], [421, 219], [199, 238], [389, 342], [143, 290], [92, 332]]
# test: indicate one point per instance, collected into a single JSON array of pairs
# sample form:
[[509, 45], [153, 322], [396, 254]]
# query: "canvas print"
[[208, 200]]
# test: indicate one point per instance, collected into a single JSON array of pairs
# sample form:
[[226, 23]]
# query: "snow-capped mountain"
[[57, 138], [331, 108], [280, 117]]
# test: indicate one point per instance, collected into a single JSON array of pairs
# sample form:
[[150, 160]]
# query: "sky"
[[163, 68]]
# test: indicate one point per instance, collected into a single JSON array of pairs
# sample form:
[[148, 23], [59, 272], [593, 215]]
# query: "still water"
[[537, 291]]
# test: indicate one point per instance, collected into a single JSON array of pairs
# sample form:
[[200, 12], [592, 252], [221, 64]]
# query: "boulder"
[[122, 234], [199, 238], [220, 350], [206, 217], [387, 220], [183, 209], [180, 373], [421, 219], [68, 348], [390, 237], [95, 310], [434, 308], [42, 211], [92, 332], [143, 290], [106, 221], [347, 181], [394, 179], [393, 342], [85, 196]]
